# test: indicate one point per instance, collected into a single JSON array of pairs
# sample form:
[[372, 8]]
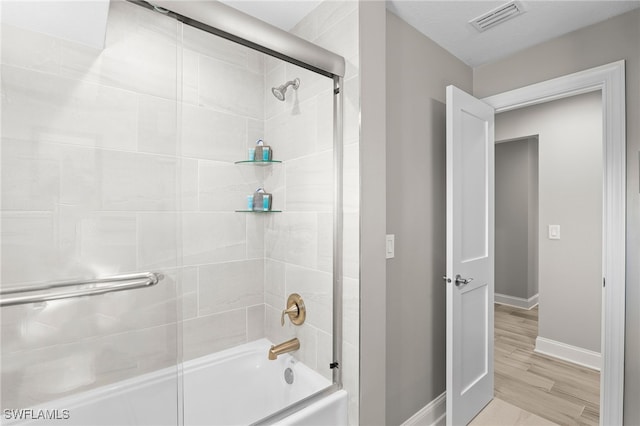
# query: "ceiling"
[[446, 22], [80, 21], [284, 14]]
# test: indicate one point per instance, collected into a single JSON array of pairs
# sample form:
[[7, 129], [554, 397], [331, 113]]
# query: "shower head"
[[279, 91]]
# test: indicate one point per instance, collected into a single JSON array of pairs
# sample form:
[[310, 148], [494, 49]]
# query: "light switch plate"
[[391, 242], [554, 232]]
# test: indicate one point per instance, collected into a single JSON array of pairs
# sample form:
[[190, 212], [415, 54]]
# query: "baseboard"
[[569, 353], [432, 414], [518, 302]]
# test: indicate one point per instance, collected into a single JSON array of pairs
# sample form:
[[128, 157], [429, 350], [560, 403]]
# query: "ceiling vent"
[[497, 16]]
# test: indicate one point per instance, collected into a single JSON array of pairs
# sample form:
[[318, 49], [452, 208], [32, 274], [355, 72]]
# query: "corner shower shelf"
[[258, 211], [258, 162]]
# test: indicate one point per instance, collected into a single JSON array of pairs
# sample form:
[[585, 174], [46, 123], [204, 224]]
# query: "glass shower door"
[[254, 127], [90, 189]]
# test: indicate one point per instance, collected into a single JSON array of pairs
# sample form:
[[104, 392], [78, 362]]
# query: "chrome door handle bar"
[[460, 281]]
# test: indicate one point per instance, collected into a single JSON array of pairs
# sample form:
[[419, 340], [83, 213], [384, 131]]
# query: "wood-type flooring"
[[500, 413], [562, 392]]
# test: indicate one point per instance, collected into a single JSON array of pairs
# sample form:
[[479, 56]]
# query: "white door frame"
[[610, 79]]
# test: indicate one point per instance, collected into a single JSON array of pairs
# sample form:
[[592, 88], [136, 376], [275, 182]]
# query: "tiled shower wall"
[[299, 241], [98, 168], [222, 115], [333, 25], [99, 165], [85, 193]]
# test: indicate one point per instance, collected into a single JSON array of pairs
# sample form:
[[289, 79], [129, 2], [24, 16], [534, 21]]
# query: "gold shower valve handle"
[[295, 310], [292, 311]]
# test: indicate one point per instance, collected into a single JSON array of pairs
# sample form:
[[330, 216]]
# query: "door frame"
[[610, 80]]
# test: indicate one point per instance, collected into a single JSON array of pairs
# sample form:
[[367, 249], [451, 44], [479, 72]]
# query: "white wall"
[[570, 195]]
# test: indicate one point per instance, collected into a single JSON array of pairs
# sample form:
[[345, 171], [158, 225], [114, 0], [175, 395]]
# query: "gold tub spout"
[[283, 348]]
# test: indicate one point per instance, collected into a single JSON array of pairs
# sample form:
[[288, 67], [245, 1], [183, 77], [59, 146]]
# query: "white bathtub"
[[238, 386]]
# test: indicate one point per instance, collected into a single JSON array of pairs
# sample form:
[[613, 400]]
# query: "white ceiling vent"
[[497, 16]]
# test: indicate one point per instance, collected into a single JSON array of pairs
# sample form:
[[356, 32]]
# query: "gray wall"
[[516, 204], [532, 276], [609, 41], [570, 195], [418, 70], [373, 303]]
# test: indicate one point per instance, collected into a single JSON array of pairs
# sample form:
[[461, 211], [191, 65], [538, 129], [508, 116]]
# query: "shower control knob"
[[292, 311], [295, 309]]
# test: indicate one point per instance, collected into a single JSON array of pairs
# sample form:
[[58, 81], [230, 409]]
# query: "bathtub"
[[238, 386]]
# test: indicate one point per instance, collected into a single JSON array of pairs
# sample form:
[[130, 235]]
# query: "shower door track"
[[226, 22]]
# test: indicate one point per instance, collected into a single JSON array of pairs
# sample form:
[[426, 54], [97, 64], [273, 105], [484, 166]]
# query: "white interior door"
[[470, 255]]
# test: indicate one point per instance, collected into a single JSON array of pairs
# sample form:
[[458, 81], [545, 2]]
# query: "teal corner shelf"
[[258, 162], [258, 211]]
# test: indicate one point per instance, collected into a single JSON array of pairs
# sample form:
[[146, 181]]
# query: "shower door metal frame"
[[231, 24], [226, 22]]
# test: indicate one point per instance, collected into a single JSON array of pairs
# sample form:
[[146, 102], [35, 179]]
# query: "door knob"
[[461, 281]]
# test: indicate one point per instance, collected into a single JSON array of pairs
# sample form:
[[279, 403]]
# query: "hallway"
[[559, 391]]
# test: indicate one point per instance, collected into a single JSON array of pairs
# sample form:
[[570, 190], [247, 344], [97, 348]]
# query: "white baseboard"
[[432, 414], [518, 302], [569, 353]]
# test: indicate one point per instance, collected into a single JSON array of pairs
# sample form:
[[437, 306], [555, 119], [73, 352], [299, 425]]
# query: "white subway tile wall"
[[103, 172]]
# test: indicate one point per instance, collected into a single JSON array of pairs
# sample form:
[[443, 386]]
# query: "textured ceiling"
[[446, 23]]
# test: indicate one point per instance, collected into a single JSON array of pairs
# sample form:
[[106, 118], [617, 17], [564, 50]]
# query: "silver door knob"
[[461, 281]]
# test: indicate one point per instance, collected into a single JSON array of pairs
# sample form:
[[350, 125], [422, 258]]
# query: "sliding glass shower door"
[[164, 199], [90, 189], [254, 127]]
